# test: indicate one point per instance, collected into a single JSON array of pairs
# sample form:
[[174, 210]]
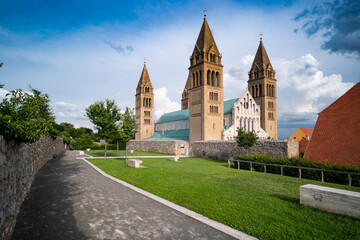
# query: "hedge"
[[341, 178]]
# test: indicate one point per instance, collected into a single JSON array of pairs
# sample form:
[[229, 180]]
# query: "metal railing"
[[298, 167]]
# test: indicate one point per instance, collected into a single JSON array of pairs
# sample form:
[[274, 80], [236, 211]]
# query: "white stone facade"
[[246, 115]]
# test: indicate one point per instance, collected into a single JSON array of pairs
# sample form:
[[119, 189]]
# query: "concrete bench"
[[81, 152], [134, 163], [331, 200], [131, 151], [173, 158]]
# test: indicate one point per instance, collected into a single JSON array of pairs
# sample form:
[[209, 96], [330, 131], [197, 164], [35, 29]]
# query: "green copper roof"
[[228, 105], [182, 134], [174, 116]]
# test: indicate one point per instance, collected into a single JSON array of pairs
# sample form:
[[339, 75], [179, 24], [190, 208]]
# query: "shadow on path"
[[47, 212]]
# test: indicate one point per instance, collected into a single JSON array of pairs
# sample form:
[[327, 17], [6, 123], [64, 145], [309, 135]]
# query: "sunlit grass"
[[114, 153], [262, 205]]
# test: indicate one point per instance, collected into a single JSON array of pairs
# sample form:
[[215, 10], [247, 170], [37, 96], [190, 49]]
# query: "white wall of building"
[[245, 115]]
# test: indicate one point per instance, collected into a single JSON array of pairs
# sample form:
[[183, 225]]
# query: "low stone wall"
[[161, 146], [225, 150], [18, 167], [331, 200]]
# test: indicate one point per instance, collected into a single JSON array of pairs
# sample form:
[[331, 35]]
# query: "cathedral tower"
[[205, 89], [262, 86], [144, 106]]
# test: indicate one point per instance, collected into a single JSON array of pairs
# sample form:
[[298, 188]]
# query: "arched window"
[[201, 81], [260, 90], [273, 91], [149, 102], [144, 103], [208, 77], [252, 88], [213, 78], [193, 85], [217, 80], [197, 79], [257, 91]]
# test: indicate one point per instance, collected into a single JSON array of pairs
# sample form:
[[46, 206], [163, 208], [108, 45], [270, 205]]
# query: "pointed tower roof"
[[205, 39], [261, 59], [144, 78]]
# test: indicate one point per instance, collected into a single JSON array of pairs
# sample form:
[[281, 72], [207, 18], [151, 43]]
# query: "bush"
[[246, 139], [339, 178]]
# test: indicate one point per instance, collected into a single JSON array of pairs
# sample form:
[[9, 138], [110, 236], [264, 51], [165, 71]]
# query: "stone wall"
[[161, 146], [19, 164], [224, 150]]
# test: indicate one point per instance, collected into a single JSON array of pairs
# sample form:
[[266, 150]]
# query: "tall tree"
[[104, 115], [25, 116], [127, 127]]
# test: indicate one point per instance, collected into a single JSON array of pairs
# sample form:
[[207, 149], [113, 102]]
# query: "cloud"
[[3, 93], [303, 91], [163, 104], [68, 110], [339, 22], [235, 80], [122, 50]]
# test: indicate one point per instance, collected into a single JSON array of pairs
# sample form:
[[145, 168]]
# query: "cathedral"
[[204, 114]]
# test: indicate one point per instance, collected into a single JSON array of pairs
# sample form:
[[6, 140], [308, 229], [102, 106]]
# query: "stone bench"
[[331, 200], [81, 152], [134, 163], [173, 158]]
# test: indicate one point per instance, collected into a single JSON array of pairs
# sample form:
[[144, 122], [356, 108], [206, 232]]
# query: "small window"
[[246, 105]]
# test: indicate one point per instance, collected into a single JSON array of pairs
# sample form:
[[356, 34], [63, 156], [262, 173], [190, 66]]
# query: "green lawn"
[[114, 153], [262, 205]]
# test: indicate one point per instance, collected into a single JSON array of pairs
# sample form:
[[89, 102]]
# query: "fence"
[[298, 167]]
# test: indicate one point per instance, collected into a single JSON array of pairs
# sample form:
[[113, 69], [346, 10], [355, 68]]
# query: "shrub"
[[341, 178], [246, 139]]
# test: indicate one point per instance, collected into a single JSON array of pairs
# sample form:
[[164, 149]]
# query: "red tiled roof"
[[336, 137], [303, 144], [307, 131]]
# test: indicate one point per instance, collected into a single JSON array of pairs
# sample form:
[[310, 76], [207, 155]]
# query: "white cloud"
[[304, 86], [163, 104], [3, 93], [68, 110], [235, 80]]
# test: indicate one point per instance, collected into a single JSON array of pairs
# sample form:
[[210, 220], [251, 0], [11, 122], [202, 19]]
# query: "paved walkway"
[[71, 200]]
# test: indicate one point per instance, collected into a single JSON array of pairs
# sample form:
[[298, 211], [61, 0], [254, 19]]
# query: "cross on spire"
[[261, 36], [205, 12], [144, 61]]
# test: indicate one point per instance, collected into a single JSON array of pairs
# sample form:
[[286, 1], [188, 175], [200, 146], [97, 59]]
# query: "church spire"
[[205, 41], [144, 78], [261, 60]]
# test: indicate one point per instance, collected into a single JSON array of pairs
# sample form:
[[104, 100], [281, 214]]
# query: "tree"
[[246, 139], [104, 115], [127, 127], [25, 116]]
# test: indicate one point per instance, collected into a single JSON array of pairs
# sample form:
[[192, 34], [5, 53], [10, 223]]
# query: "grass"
[[262, 205], [114, 153]]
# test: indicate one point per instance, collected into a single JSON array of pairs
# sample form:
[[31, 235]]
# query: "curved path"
[[69, 199]]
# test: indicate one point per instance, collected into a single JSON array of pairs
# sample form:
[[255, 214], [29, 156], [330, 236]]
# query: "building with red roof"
[[301, 133], [336, 136]]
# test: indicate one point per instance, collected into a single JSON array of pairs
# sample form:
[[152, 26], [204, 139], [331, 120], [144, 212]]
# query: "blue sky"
[[83, 51]]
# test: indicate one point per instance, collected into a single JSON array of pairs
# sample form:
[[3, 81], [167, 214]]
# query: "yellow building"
[[301, 133]]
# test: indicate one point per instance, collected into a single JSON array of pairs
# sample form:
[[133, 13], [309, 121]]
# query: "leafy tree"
[[104, 115], [83, 142], [25, 116], [127, 127], [246, 139]]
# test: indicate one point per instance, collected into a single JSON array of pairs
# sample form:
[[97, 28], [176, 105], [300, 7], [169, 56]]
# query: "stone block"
[[81, 152], [173, 158], [331, 200], [134, 163]]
